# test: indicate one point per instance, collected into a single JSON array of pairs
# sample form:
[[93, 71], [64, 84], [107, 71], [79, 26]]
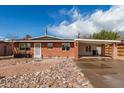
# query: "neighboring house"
[[49, 46], [5, 49]]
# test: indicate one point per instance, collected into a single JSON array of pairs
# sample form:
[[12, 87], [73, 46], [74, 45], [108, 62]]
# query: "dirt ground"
[[13, 66], [103, 73]]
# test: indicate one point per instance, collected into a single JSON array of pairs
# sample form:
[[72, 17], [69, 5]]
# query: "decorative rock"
[[64, 74]]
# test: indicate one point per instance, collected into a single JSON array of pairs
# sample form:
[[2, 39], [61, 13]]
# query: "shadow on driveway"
[[103, 73]]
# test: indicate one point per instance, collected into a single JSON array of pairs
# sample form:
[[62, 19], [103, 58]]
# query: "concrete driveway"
[[103, 73]]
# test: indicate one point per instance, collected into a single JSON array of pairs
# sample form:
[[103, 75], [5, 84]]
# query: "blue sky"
[[22, 20]]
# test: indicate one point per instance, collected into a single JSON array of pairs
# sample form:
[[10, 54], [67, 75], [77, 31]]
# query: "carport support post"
[[114, 51], [103, 50]]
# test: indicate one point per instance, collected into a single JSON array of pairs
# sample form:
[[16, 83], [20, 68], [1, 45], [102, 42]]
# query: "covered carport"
[[95, 47]]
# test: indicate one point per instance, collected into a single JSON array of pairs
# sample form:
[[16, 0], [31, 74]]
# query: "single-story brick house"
[[51, 46], [5, 48]]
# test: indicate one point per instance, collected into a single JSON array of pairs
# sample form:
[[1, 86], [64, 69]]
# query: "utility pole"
[[78, 36], [46, 31]]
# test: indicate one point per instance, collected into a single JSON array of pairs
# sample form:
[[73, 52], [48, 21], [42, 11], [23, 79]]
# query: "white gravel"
[[65, 74]]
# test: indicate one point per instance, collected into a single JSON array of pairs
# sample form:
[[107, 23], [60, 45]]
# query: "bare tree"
[[27, 37], [86, 36], [78, 35]]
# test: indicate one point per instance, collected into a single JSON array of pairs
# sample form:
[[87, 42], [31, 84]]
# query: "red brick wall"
[[50, 52], [57, 51]]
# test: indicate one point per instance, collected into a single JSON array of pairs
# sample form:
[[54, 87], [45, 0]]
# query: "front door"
[[37, 50]]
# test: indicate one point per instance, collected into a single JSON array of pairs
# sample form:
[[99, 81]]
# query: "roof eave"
[[44, 41], [98, 41]]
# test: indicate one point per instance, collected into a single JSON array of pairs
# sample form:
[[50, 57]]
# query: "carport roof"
[[97, 41]]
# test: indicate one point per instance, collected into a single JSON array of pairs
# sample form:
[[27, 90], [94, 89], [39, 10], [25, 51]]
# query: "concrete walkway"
[[5, 57], [103, 73]]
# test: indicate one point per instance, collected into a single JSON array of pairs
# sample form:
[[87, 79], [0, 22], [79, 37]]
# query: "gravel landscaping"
[[47, 73]]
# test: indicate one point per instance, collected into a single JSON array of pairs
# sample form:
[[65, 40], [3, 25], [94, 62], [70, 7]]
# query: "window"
[[88, 48], [65, 46], [24, 46], [50, 45]]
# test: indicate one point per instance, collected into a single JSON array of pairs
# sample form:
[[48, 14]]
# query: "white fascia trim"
[[98, 40]]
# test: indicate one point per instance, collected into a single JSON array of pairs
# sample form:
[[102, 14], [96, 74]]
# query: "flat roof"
[[98, 41]]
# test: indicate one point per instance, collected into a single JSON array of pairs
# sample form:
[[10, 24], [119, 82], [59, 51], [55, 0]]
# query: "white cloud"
[[3, 38], [74, 13], [112, 19]]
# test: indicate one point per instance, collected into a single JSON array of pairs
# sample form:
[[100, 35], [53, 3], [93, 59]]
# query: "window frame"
[[26, 47], [66, 46], [50, 46], [20, 46]]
